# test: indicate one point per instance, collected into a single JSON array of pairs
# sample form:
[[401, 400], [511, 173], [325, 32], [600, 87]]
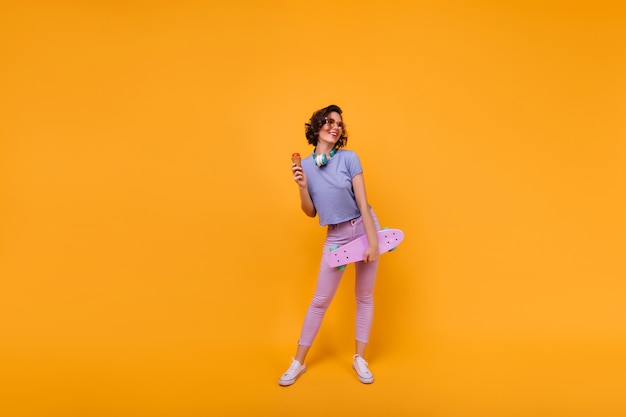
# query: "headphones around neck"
[[321, 160]]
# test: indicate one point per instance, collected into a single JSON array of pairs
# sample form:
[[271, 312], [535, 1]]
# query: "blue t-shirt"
[[330, 186]]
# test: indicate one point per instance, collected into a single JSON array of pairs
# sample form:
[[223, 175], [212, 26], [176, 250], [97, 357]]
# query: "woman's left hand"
[[371, 254]]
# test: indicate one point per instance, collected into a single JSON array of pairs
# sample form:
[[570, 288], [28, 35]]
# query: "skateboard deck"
[[388, 240]]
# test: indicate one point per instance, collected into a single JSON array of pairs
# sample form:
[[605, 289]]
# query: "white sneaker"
[[294, 371], [360, 366]]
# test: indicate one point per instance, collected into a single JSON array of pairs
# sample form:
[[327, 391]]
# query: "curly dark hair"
[[312, 129]]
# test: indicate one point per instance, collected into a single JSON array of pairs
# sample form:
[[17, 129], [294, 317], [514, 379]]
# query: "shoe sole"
[[291, 381]]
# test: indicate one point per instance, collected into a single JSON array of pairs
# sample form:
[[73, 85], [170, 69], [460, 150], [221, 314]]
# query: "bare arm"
[[305, 198], [372, 252]]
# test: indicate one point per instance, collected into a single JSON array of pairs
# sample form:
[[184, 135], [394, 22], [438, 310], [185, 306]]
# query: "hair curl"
[[312, 129]]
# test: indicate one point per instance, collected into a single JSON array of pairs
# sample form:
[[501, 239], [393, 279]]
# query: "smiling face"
[[331, 130], [326, 128]]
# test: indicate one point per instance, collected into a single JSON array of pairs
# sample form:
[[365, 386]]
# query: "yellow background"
[[154, 260]]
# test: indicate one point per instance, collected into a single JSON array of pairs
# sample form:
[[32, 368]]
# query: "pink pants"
[[328, 281]]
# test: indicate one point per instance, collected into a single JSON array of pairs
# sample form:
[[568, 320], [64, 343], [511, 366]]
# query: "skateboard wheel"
[[339, 268]]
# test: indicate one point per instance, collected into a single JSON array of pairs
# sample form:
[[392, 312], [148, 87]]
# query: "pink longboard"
[[388, 239]]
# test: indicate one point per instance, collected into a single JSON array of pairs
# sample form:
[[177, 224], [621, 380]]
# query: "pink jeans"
[[328, 280]]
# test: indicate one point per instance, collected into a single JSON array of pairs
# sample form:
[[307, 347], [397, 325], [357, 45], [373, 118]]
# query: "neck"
[[323, 148]]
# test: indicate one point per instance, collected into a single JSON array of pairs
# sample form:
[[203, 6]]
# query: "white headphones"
[[321, 160]]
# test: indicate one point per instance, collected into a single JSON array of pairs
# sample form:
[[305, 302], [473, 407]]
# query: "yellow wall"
[[153, 258]]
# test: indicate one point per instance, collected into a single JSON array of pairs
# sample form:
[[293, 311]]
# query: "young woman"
[[331, 185]]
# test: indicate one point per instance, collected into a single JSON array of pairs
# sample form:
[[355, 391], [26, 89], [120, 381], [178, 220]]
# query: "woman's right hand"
[[306, 203], [298, 175]]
